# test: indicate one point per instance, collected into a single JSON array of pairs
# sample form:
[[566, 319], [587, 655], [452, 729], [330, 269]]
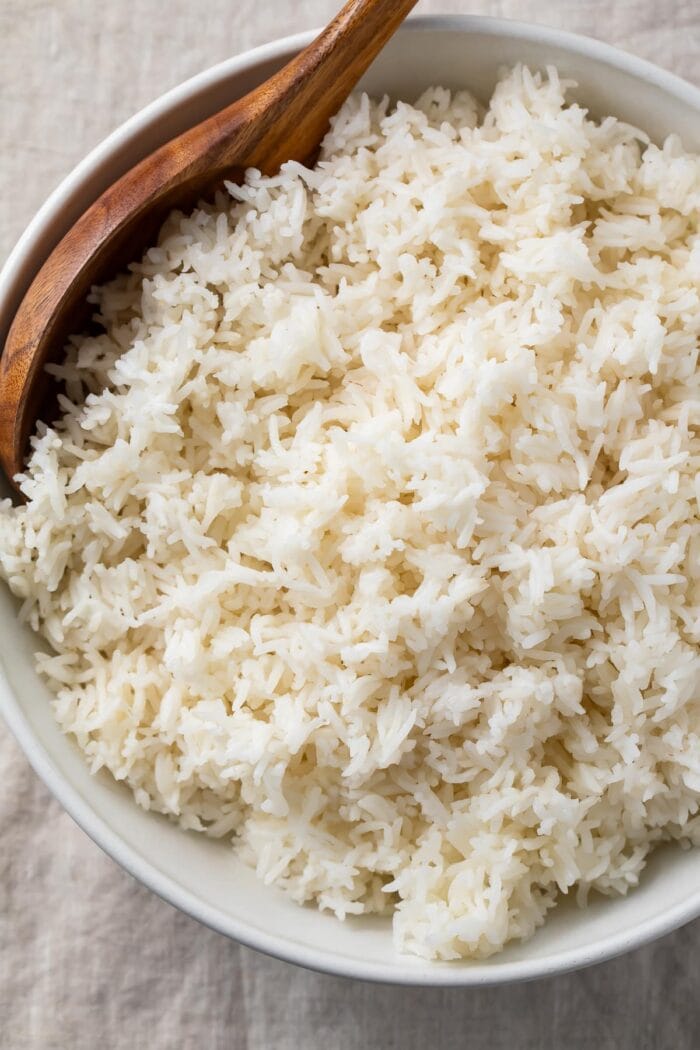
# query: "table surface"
[[89, 958]]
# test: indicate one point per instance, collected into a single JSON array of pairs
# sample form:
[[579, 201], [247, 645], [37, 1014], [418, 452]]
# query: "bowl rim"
[[414, 972]]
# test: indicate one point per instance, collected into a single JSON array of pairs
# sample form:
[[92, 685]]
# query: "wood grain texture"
[[284, 119]]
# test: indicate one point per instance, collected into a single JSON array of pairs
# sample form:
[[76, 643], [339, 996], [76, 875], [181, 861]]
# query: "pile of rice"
[[369, 534]]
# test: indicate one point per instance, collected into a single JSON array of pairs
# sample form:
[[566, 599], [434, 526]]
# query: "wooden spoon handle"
[[290, 113], [283, 119]]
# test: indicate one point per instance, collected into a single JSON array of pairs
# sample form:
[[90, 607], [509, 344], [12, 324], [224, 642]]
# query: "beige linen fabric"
[[89, 960]]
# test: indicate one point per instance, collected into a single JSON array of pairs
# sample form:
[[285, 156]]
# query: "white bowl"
[[203, 877]]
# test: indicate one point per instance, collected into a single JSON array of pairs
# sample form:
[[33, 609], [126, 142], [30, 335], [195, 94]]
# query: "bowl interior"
[[204, 877]]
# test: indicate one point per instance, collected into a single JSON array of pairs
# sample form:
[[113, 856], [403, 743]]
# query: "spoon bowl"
[[284, 118]]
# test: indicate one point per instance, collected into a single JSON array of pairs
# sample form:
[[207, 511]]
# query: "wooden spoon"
[[283, 119]]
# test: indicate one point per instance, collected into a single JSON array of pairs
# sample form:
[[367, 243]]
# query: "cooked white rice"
[[375, 541]]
